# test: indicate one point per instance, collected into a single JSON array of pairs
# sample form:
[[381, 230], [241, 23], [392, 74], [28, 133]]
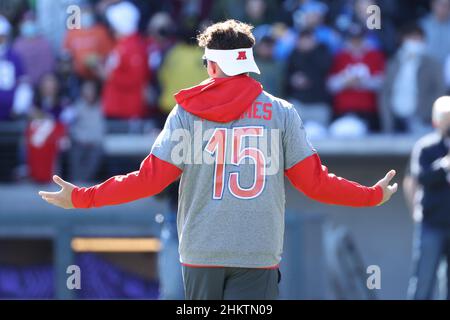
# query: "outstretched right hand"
[[61, 198]]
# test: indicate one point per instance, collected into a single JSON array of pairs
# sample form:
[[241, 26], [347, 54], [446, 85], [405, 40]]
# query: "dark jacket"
[[315, 65], [434, 199]]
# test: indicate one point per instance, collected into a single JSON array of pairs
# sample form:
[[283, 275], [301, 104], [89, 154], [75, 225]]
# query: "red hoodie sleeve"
[[153, 177], [312, 178]]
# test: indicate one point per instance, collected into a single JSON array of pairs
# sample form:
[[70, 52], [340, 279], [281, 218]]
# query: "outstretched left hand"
[[61, 198]]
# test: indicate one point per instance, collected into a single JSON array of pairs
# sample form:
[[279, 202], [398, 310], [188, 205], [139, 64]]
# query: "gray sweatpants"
[[219, 283]]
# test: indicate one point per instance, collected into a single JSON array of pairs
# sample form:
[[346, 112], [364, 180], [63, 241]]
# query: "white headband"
[[233, 62]]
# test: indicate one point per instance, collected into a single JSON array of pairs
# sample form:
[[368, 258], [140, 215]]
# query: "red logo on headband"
[[242, 55]]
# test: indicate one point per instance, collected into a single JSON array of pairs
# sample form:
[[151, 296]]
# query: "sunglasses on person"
[[205, 62]]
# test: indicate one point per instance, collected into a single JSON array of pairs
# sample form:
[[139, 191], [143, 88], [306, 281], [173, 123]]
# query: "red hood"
[[220, 99]]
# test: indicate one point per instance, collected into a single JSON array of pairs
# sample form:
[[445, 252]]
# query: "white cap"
[[123, 17], [5, 26], [233, 62]]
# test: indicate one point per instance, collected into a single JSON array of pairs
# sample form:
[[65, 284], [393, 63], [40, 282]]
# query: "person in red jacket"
[[126, 72], [355, 77]]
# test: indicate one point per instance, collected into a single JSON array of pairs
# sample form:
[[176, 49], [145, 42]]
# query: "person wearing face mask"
[[126, 72], [413, 82], [35, 51], [430, 169], [88, 46]]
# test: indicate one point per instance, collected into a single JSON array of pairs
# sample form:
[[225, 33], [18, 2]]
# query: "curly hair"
[[227, 35]]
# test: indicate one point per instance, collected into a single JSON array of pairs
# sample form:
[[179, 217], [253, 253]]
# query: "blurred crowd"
[[126, 59]]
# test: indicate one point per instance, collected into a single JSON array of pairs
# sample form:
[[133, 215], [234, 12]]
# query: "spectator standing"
[[88, 46], [87, 129], [430, 167], [45, 133], [308, 67], [126, 72], [437, 29], [34, 50], [413, 82], [355, 79]]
